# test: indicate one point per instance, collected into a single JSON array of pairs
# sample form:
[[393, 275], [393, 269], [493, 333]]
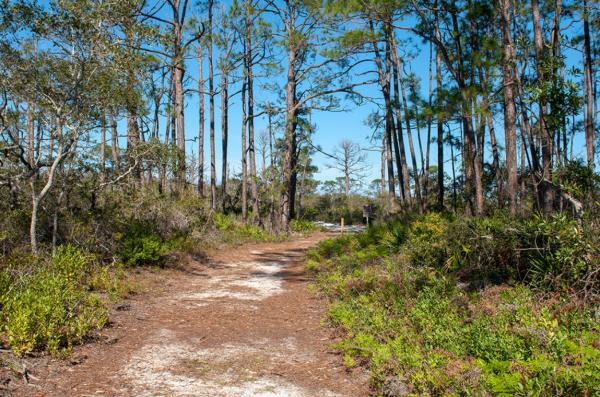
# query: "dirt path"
[[242, 325]]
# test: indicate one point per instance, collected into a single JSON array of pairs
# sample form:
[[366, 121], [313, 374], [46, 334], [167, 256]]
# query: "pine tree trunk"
[[385, 88], [211, 88], [103, 148], [244, 145], [251, 141], [288, 190], [510, 111], [224, 133], [400, 150], [590, 115], [411, 146], [440, 121], [546, 192], [114, 141], [30, 135], [200, 122]]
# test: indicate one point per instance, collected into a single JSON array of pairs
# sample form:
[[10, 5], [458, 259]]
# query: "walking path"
[[243, 324]]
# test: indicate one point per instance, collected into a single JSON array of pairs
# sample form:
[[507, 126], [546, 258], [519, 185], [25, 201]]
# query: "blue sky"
[[331, 127]]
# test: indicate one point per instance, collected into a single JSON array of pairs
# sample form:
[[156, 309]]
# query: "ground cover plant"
[[434, 305], [54, 301]]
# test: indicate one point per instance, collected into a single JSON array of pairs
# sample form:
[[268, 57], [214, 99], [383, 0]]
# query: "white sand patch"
[[256, 281], [167, 368]]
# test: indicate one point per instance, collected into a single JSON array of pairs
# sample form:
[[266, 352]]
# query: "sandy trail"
[[243, 324]]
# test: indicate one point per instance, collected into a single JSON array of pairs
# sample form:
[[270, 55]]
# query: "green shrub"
[[460, 307], [551, 252], [427, 241], [50, 307], [140, 245], [112, 280], [302, 226], [224, 222]]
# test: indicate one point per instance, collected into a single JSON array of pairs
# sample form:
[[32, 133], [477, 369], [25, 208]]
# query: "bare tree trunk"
[[224, 132], [547, 194], [271, 170], [418, 125], [55, 218], [103, 148], [383, 146], [510, 111], [523, 171], [440, 121], [429, 122], [473, 168], [288, 191], [411, 146], [30, 135], [244, 145], [200, 122], [251, 146], [114, 141], [178, 71], [399, 147], [385, 88], [36, 198], [454, 195], [493, 141], [590, 124], [211, 88]]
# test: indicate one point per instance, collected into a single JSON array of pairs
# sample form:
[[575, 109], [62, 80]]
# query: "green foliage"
[[411, 307], [302, 226], [579, 180], [224, 222], [427, 244], [552, 252], [112, 280], [47, 306], [233, 231], [140, 245]]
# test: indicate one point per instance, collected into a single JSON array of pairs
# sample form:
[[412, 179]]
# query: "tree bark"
[[399, 148], [385, 89], [440, 120], [224, 131], [38, 197], [546, 191], [244, 145], [200, 121], [590, 124], [211, 88], [251, 140], [411, 146], [510, 111], [103, 148], [179, 70], [288, 190], [30, 135], [114, 141]]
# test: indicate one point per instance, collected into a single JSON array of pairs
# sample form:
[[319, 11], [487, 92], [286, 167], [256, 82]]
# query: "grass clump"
[[49, 306], [442, 306], [230, 230], [302, 226]]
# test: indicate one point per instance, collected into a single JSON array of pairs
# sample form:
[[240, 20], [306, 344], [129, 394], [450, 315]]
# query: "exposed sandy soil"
[[239, 324]]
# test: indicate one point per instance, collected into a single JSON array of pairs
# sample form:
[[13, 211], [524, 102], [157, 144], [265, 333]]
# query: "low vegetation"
[[49, 306], [434, 305], [52, 302]]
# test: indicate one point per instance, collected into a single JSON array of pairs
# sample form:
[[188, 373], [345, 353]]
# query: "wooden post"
[[342, 226]]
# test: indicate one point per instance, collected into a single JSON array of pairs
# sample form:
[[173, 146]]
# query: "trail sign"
[[368, 212]]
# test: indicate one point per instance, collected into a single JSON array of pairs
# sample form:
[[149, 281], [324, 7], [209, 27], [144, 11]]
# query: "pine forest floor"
[[240, 323]]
